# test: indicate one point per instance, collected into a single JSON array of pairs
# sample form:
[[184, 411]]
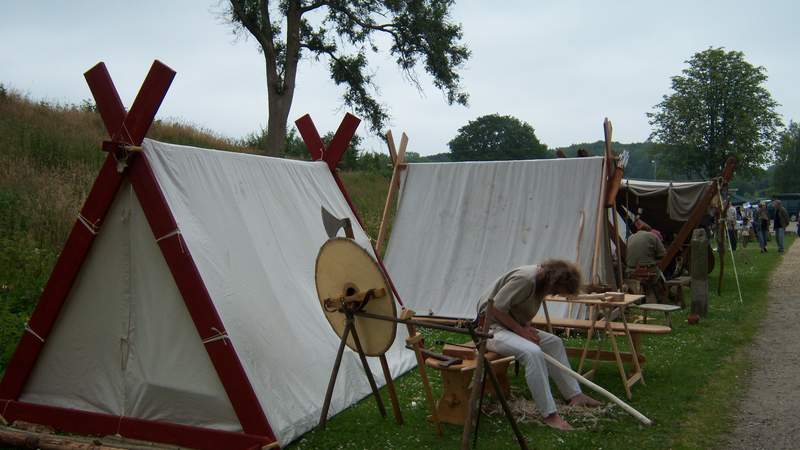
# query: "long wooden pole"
[[611, 198], [394, 184], [639, 416], [601, 208], [721, 237]]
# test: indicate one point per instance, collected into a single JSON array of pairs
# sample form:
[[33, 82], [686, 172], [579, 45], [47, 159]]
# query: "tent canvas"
[[665, 205], [183, 309], [461, 225]]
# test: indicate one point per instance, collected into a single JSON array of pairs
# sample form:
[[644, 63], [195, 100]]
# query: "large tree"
[[787, 166], [419, 32], [496, 137], [719, 107]]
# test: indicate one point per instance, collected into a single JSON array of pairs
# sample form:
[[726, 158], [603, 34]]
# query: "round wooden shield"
[[344, 267]]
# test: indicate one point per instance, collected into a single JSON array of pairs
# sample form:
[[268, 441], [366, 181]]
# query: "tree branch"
[[312, 7]]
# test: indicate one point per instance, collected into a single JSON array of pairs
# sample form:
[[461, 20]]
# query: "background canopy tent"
[[664, 205], [461, 225], [183, 308], [674, 208]]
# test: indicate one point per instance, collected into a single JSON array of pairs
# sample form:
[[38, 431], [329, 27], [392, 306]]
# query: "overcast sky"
[[561, 66]]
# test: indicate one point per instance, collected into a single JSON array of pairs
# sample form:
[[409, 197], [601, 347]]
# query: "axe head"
[[332, 224]]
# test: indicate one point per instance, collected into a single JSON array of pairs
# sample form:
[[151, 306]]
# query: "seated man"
[[517, 296], [644, 250]]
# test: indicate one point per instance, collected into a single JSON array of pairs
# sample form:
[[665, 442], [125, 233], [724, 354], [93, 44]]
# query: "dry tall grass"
[[49, 157]]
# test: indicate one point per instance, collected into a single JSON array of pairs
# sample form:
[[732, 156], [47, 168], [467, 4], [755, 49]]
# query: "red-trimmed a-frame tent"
[[182, 309]]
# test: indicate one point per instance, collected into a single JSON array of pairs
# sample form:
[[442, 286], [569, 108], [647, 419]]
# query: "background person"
[[732, 225], [781, 222], [644, 251], [763, 226]]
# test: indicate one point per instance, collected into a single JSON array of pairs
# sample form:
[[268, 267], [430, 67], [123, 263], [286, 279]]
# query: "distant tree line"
[[718, 107]]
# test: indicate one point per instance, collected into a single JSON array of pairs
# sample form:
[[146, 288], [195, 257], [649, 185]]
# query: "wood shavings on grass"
[[580, 417]]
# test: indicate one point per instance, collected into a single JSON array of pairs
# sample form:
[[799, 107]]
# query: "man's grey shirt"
[[513, 293]]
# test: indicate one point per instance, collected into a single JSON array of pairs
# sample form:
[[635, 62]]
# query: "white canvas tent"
[[461, 225], [183, 308], [125, 344]]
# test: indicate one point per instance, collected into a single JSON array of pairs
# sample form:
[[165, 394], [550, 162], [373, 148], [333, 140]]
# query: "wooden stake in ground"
[[721, 237], [399, 163], [699, 272]]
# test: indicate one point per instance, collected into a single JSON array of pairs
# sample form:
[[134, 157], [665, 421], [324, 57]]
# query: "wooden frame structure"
[[127, 130]]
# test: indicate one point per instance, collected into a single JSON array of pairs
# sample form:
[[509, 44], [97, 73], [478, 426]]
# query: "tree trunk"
[[280, 87], [276, 123]]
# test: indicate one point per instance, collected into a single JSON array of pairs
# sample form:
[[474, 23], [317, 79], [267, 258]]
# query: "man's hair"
[[560, 277]]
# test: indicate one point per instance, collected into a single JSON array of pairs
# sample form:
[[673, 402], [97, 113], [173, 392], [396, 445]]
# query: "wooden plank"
[[643, 328]]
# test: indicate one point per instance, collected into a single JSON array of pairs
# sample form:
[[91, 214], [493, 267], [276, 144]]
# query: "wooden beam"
[[392, 149]]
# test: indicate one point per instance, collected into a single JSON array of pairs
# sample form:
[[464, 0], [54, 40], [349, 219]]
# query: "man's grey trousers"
[[537, 369]]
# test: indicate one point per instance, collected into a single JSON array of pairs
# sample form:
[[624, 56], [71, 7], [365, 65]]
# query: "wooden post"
[[601, 220], [721, 237], [477, 381], [387, 375], [394, 184], [699, 272], [414, 340]]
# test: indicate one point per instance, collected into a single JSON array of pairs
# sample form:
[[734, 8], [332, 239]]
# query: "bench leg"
[[589, 334], [620, 366], [637, 368]]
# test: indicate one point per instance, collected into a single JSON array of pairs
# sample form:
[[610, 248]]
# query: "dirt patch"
[[768, 416]]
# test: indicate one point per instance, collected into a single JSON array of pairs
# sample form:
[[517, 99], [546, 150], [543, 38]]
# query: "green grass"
[[694, 376]]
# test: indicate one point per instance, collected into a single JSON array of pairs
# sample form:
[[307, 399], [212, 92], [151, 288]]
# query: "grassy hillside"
[[49, 157]]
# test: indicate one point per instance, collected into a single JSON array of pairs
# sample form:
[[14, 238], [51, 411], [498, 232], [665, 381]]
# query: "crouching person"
[[517, 297]]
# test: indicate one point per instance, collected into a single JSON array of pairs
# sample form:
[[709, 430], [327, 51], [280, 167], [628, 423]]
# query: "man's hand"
[[531, 333]]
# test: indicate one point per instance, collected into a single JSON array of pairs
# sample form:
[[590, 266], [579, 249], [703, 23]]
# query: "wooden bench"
[[658, 307], [453, 406], [676, 285], [634, 330]]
